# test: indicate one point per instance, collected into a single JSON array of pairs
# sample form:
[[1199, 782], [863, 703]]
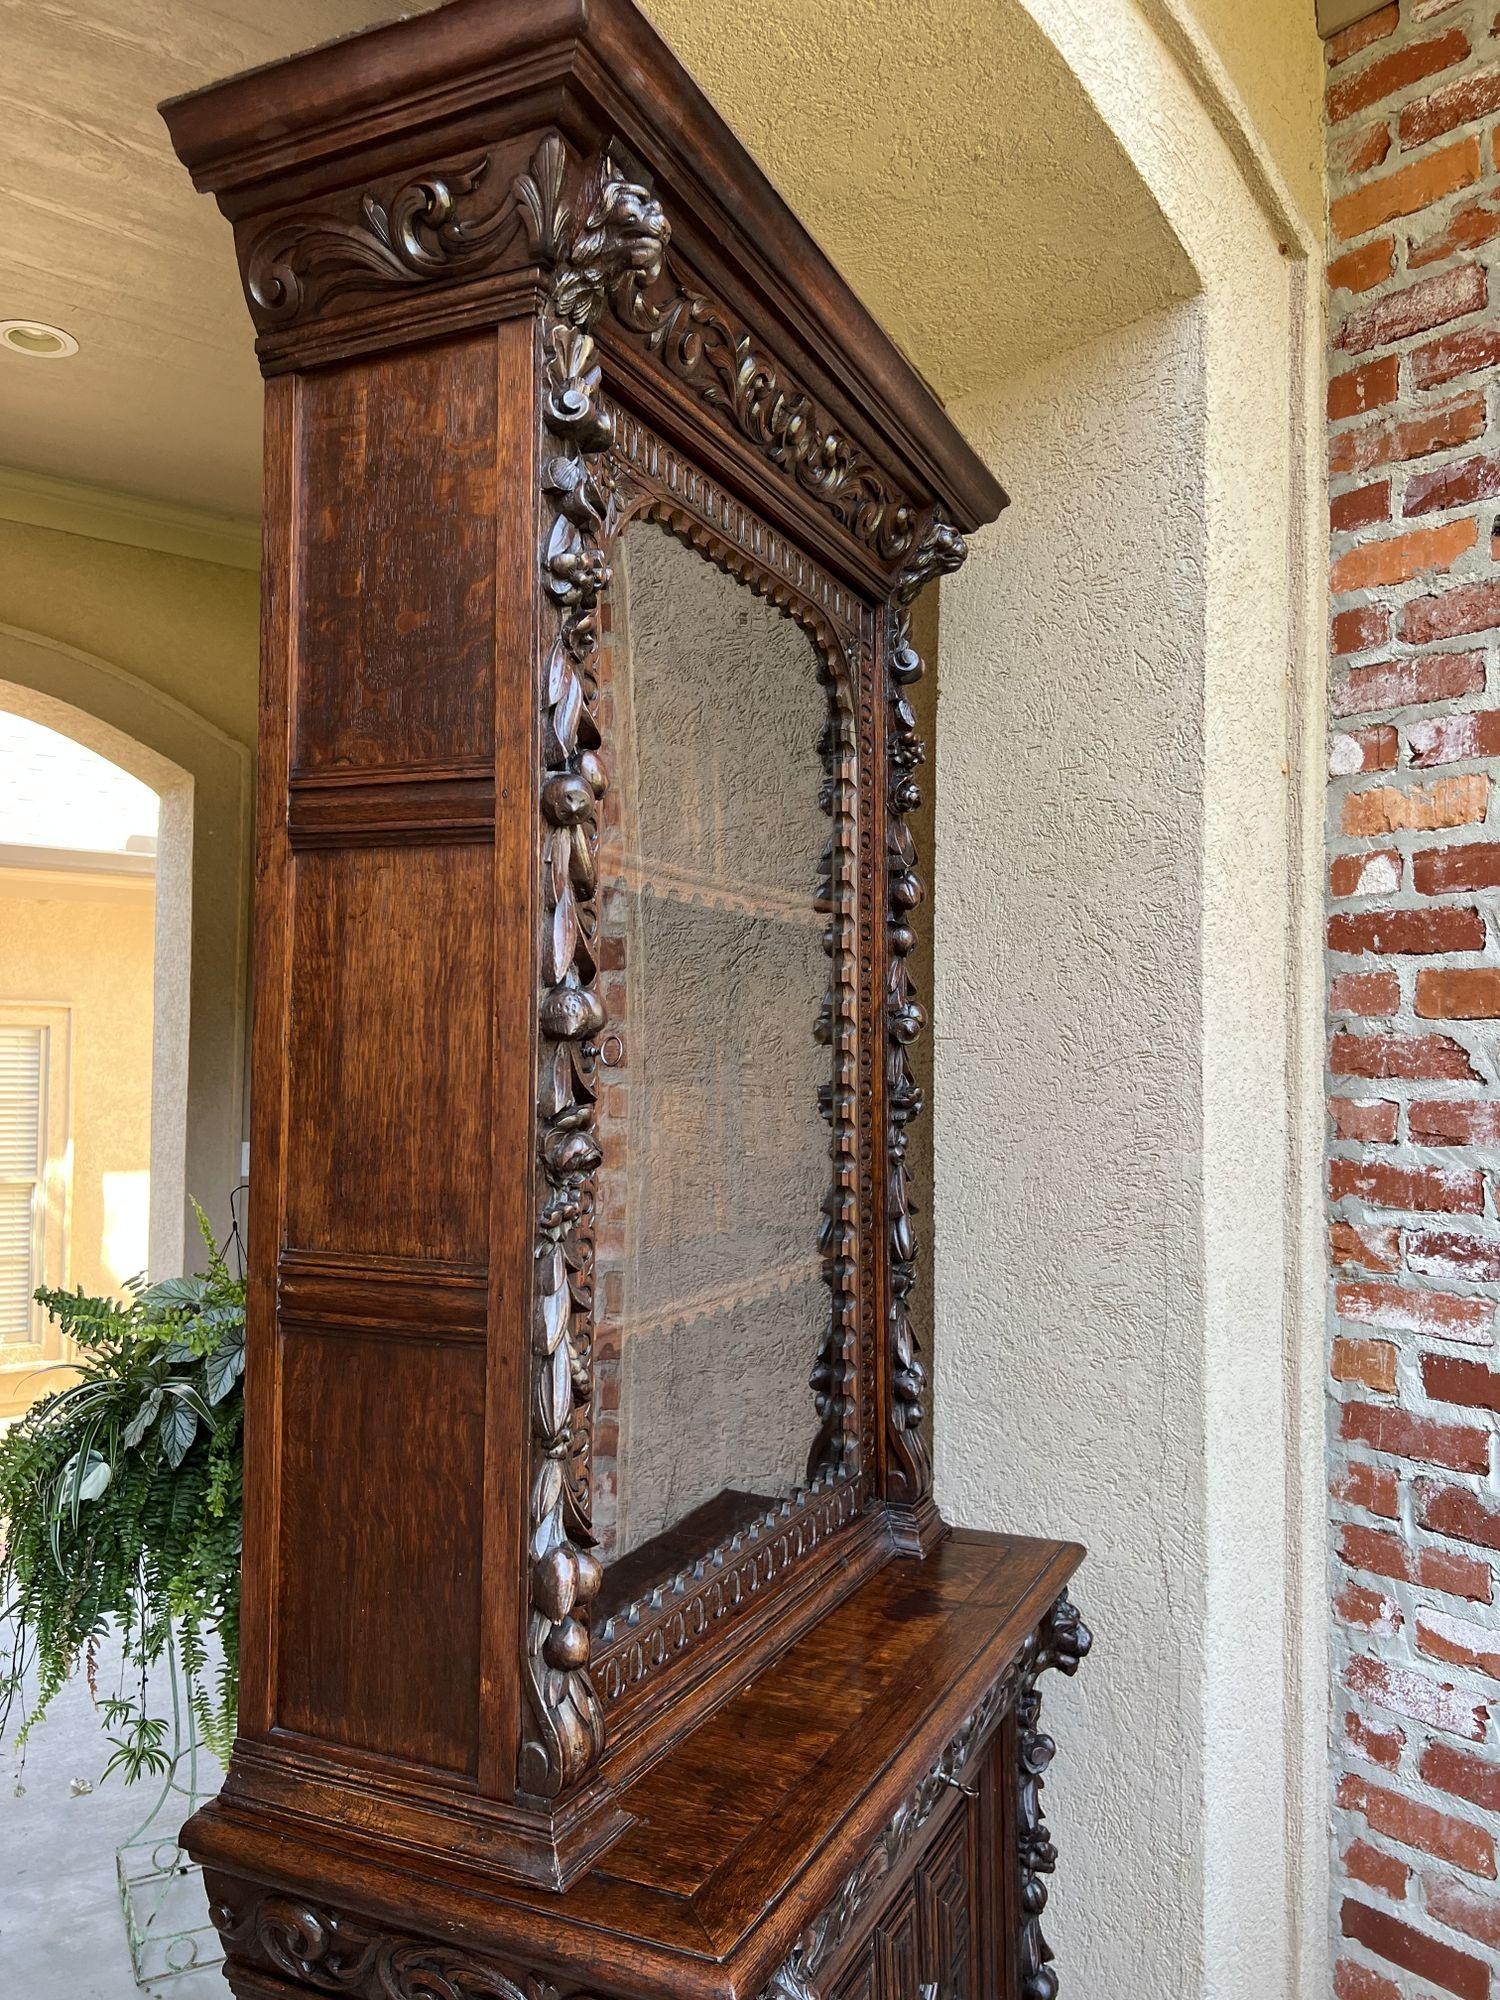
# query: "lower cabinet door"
[[922, 1946]]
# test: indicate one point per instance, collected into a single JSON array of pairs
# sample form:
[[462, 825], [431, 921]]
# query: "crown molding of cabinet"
[[1334, 15], [38, 501]]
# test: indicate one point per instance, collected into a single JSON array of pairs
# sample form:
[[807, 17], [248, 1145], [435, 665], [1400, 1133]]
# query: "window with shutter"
[[23, 1160]]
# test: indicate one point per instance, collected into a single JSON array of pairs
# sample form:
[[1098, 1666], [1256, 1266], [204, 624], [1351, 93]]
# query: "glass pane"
[[711, 1305]]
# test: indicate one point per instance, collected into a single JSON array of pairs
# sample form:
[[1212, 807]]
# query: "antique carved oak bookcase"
[[600, 1634]]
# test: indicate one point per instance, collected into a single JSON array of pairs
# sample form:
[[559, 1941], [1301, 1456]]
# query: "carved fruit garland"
[[566, 1721], [939, 551]]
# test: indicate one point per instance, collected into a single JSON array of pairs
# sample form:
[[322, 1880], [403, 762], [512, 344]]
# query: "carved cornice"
[[1064, 1641], [606, 251], [796, 1978], [939, 551]]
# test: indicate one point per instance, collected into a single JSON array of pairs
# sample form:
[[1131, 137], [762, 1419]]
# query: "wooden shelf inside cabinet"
[[521, 298], [638, 875]]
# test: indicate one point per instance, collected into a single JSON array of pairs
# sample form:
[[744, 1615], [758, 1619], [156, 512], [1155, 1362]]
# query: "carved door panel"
[[945, 1909], [898, 1956]]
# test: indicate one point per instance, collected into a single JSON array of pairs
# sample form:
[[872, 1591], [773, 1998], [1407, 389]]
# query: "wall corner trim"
[[36, 500]]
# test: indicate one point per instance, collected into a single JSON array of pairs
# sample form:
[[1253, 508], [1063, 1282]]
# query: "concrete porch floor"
[[62, 1931]]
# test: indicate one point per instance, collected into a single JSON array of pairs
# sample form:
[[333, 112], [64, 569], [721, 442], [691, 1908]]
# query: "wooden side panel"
[[396, 620], [382, 1458], [947, 1885], [389, 1053]]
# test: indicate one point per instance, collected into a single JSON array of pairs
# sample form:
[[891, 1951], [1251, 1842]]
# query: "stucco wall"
[[89, 948]]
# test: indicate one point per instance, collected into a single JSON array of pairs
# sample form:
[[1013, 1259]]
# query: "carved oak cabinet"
[[600, 1633]]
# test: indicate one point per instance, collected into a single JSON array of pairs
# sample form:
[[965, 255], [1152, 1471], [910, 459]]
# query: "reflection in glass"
[[711, 1305]]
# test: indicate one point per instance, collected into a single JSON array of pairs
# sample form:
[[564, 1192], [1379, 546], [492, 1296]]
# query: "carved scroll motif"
[[336, 1953], [565, 1721], [433, 227], [1065, 1640], [940, 551]]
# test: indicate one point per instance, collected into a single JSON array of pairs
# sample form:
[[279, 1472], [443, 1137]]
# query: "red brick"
[[1462, 485], [1356, 1119], [1362, 1609], [1404, 931], [1358, 152], [1405, 1309], [1418, 308], [1449, 802], [1466, 865], [1459, 1642], [1376, 1869], [1407, 683], [1353, 751], [1463, 1774], [1411, 188], [1364, 267], [1449, 1379], [1352, 1981], [1463, 1909], [1472, 607], [1376, 872], [1471, 225], [1360, 35], [1459, 993], [1448, 739], [1369, 1487], [1457, 1446], [1393, 72], [1455, 354], [1457, 1575], [1387, 559], [1414, 1951], [1368, 994], [1453, 1510], [1473, 95], [1380, 1742], [1359, 507], [1381, 1553], [1368, 387], [1443, 1835], [1418, 1058], [1442, 1190], [1401, 439], [1450, 1253], [1371, 1364], [1358, 630]]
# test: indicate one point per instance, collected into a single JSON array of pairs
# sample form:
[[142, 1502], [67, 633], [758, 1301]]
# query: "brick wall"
[[1414, 995]]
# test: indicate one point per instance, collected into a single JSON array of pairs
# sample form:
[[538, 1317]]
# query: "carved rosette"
[[565, 1732], [940, 550], [1063, 1642]]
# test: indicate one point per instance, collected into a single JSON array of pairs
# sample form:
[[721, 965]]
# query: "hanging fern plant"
[[120, 1499]]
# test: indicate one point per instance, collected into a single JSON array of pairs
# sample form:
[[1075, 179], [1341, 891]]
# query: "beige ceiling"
[[942, 154]]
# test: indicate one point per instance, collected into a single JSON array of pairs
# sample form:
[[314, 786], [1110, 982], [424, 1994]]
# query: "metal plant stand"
[[167, 1925]]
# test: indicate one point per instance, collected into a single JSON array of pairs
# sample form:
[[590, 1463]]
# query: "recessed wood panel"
[[380, 1545], [396, 641], [389, 1056]]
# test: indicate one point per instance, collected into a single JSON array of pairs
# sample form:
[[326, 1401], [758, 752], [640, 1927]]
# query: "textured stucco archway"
[[203, 780], [1072, 223]]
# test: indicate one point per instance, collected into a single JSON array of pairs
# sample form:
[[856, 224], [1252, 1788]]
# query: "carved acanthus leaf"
[[430, 227], [1063, 1642]]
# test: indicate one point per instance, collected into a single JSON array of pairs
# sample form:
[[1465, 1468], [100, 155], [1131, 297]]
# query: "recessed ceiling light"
[[36, 341]]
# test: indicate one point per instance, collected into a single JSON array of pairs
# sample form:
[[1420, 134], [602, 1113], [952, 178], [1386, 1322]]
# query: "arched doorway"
[[201, 779], [78, 1069]]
